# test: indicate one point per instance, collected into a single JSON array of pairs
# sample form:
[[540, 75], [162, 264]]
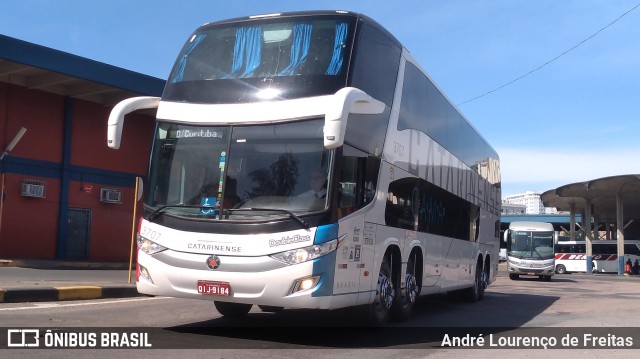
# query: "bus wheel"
[[476, 293], [270, 308], [232, 310], [385, 293], [404, 305], [560, 269], [514, 276]]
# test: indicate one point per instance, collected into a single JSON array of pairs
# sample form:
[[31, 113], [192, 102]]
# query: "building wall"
[[532, 202], [73, 173]]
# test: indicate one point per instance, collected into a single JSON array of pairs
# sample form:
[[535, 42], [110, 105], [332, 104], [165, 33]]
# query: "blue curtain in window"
[[299, 48], [246, 52], [336, 60], [179, 75]]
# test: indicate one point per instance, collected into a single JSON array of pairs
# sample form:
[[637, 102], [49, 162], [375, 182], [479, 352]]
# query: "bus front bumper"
[[528, 270], [252, 280]]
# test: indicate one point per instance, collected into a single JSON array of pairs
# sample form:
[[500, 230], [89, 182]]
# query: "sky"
[[569, 111]]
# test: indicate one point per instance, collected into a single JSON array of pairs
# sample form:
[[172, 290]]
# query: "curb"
[[51, 294], [62, 264]]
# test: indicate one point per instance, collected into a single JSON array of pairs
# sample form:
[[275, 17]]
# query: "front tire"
[[514, 276], [561, 269], [380, 309], [232, 310]]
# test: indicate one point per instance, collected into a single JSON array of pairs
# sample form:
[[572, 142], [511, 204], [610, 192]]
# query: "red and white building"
[[66, 194]]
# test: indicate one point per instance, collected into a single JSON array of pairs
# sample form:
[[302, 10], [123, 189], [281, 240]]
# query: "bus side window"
[[358, 180], [631, 248]]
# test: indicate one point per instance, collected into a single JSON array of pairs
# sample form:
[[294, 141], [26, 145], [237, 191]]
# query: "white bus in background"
[[571, 256], [257, 111], [530, 249]]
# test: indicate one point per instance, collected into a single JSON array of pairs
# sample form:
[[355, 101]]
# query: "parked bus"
[[571, 256], [530, 249], [305, 160]]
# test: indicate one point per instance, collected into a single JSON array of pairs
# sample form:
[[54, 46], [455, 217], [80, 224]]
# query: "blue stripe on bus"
[[326, 233], [325, 266]]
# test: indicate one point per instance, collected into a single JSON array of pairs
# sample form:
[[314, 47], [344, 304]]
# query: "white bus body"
[[256, 109], [571, 256], [530, 249]]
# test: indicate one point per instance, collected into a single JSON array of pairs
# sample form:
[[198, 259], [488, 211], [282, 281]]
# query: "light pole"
[[9, 148], [13, 142]]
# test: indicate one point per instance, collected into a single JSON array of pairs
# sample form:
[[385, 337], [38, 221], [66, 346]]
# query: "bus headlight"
[[148, 246], [300, 255]]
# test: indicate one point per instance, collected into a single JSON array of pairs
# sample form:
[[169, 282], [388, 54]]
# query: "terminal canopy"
[[602, 194], [609, 199]]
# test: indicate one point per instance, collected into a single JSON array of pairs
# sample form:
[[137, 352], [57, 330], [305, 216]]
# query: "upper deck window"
[[291, 56]]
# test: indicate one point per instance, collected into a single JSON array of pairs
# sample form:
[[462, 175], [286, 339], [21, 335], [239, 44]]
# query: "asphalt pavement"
[[51, 280]]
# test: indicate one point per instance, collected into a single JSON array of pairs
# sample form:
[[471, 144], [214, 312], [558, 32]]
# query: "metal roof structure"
[[42, 68], [608, 200], [549, 218], [602, 194]]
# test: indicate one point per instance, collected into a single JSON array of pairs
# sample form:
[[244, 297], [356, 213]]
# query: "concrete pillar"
[[572, 223], [588, 236], [620, 231]]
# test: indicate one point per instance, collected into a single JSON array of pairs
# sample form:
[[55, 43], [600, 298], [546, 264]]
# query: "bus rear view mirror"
[[116, 117], [345, 101]]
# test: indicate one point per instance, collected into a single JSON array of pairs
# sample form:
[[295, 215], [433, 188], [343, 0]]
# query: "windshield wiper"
[[158, 211], [302, 222]]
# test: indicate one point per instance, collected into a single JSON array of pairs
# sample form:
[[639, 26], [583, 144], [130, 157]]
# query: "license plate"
[[221, 289]]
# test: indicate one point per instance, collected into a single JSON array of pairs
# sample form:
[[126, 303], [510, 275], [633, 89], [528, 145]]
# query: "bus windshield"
[[197, 171], [263, 59], [530, 245]]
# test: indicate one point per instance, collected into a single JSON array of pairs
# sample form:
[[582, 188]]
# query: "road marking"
[[66, 305]]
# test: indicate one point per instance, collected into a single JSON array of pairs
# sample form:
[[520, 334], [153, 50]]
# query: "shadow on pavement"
[[434, 316]]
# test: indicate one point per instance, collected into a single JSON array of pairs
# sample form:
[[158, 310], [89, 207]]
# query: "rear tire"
[[232, 310], [561, 269], [380, 309], [407, 295], [476, 293]]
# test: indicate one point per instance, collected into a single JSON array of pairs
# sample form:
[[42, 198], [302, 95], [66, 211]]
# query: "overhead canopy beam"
[[609, 197]]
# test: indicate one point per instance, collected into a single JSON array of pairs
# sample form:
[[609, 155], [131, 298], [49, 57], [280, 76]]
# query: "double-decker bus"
[[305, 160], [570, 255], [530, 249]]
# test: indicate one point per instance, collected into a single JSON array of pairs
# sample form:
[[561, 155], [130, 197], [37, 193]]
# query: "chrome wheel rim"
[[411, 287]]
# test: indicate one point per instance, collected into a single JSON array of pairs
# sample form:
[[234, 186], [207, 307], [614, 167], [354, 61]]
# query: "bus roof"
[[531, 226], [357, 15]]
